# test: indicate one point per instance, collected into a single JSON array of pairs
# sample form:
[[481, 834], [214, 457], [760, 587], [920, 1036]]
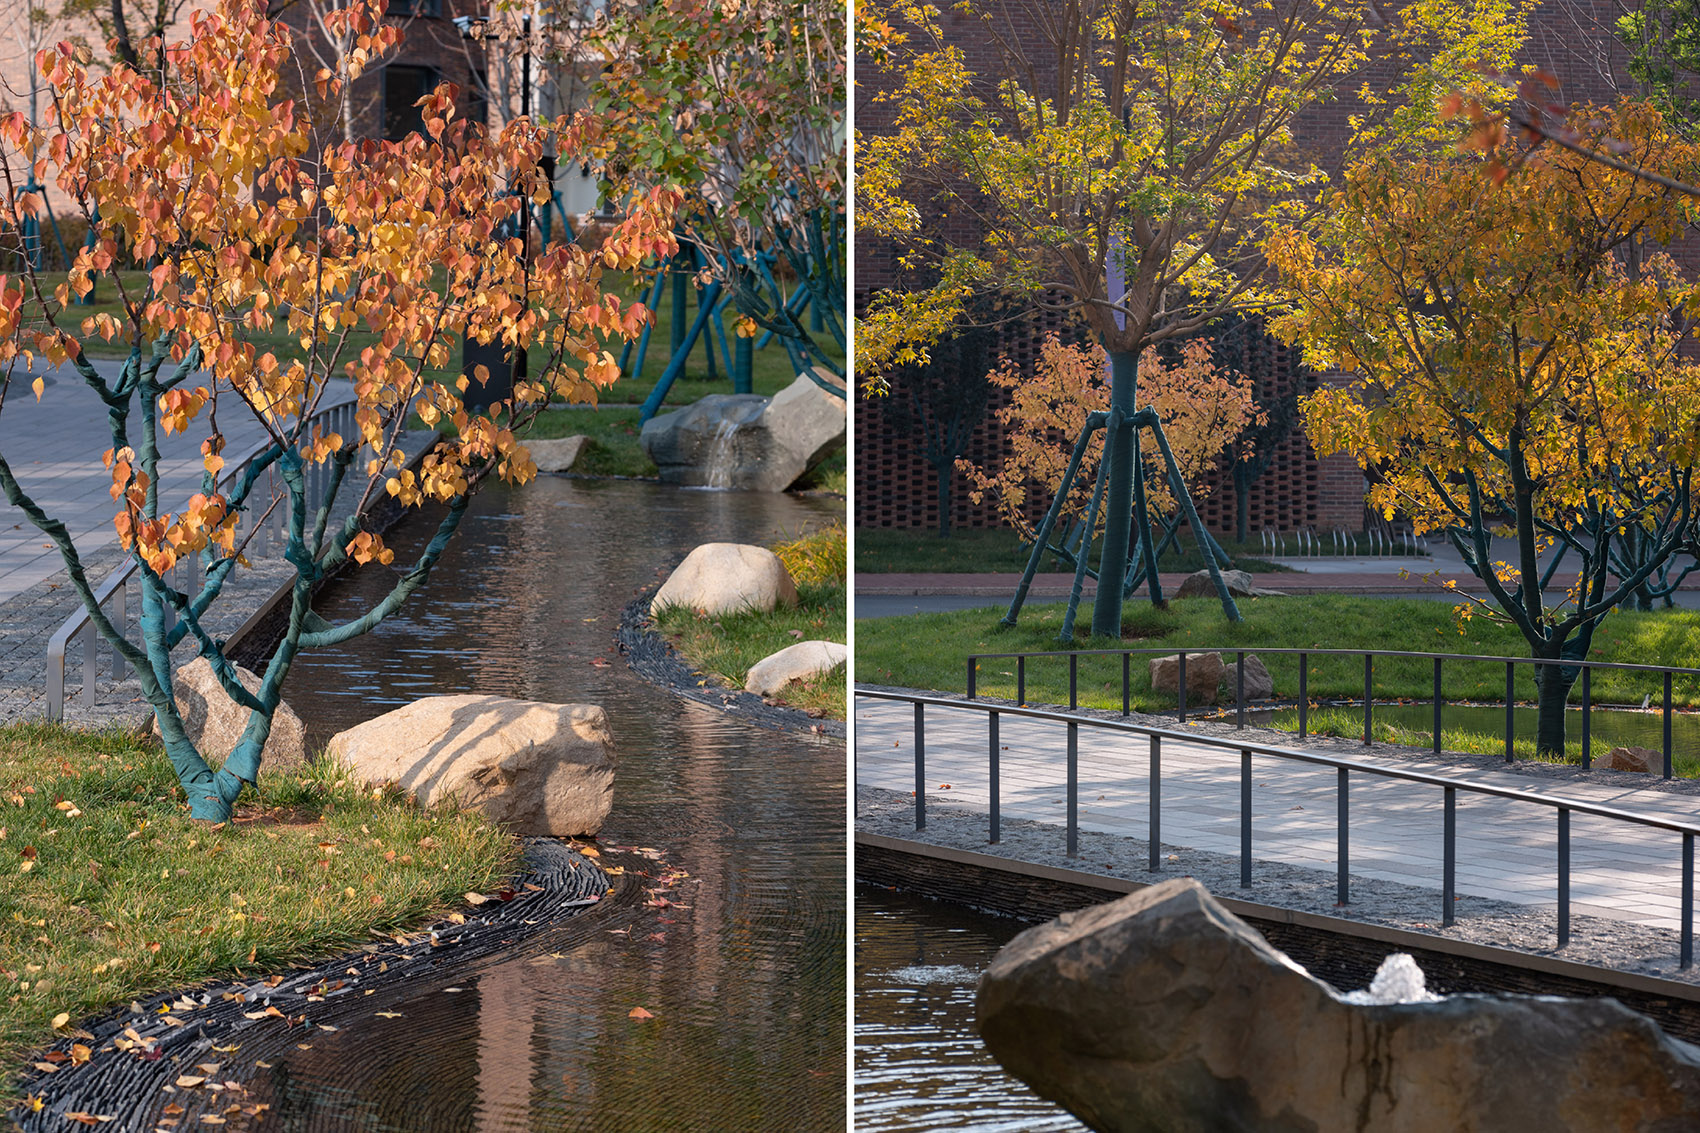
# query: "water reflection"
[[919, 1062], [745, 978]]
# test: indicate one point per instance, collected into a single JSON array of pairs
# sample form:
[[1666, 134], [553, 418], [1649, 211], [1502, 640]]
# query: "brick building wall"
[[895, 487]]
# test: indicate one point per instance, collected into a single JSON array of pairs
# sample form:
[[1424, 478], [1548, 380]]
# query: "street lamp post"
[[504, 367]]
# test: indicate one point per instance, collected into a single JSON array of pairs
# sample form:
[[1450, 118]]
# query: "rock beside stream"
[[727, 578], [543, 769], [1164, 1011], [799, 662], [745, 441], [215, 722]]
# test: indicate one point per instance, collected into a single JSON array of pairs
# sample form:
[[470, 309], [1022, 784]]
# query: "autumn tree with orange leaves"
[[1515, 344], [1203, 410], [210, 176]]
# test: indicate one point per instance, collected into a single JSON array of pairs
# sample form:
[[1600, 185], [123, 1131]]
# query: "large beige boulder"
[[1642, 759], [799, 662], [747, 442], [1259, 685], [727, 578], [556, 455], [538, 768], [215, 722], [1203, 674], [1165, 1012]]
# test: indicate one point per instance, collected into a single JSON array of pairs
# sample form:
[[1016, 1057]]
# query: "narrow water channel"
[[744, 979], [920, 1064]]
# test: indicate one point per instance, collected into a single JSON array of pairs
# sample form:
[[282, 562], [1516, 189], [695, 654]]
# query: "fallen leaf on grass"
[[476, 898], [61, 1019], [47, 1067], [80, 1054], [638, 1013]]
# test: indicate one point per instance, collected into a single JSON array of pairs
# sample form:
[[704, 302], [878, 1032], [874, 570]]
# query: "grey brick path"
[[55, 448]]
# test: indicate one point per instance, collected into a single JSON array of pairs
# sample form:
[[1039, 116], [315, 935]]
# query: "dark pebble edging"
[[553, 883], [657, 662]]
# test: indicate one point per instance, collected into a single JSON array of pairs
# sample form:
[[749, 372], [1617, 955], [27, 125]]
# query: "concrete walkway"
[[1505, 849], [54, 447]]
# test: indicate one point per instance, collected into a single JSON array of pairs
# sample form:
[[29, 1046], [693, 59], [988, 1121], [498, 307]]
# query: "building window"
[[405, 85]]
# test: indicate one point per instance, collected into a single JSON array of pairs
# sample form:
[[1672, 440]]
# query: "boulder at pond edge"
[[799, 662], [727, 578], [1162, 1011], [538, 768]]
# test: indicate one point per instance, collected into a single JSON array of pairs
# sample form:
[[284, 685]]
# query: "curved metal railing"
[[112, 594]]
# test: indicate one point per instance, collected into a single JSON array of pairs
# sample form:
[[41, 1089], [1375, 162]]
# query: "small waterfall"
[[721, 460]]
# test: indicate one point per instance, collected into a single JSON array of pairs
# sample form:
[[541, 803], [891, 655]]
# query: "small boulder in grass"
[[1641, 759], [556, 455], [215, 722], [727, 578], [545, 769], [800, 662]]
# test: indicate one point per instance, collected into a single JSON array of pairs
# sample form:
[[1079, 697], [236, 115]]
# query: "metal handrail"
[[1344, 768], [1510, 663], [113, 590]]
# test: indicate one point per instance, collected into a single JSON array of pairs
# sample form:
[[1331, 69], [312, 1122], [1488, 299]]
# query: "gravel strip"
[[1619, 945], [1601, 941], [656, 661]]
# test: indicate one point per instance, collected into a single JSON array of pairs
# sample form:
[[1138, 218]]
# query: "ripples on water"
[[919, 1062], [746, 984]]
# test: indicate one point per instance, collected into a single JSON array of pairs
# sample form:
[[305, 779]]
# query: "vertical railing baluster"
[[972, 667], [1304, 694], [1587, 718], [1245, 819], [1369, 676], [1126, 658], [1449, 857], [1563, 876], [993, 725], [1510, 707], [1667, 723], [1343, 836], [1181, 693], [920, 767], [91, 665], [1073, 680], [1239, 689], [1155, 848], [1436, 744], [1073, 788], [1687, 958], [1021, 681]]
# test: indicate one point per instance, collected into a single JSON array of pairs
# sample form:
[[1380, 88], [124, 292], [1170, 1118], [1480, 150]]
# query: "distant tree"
[[1509, 367]]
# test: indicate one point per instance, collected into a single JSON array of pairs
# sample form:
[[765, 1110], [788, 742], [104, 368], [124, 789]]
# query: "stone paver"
[[55, 448], [1506, 849]]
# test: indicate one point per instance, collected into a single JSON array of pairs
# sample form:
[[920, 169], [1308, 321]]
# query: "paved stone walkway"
[[1505, 849], [54, 448]]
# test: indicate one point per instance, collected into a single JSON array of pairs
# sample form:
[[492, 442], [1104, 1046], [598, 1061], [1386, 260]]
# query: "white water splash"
[[720, 456], [1398, 980], [933, 974]]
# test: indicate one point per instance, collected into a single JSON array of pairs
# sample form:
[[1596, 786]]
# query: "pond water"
[[919, 1062], [746, 984]]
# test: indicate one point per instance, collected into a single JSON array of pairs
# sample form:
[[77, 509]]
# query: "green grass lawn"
[[726, 646], [929, 651], [894, 550], [111, 892]]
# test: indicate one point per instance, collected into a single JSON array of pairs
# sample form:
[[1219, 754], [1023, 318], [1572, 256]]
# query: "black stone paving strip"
[[138, 1056], [657, 662]]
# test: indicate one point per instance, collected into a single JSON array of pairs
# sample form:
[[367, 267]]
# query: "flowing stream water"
[[745, 980], [919, 1062]]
